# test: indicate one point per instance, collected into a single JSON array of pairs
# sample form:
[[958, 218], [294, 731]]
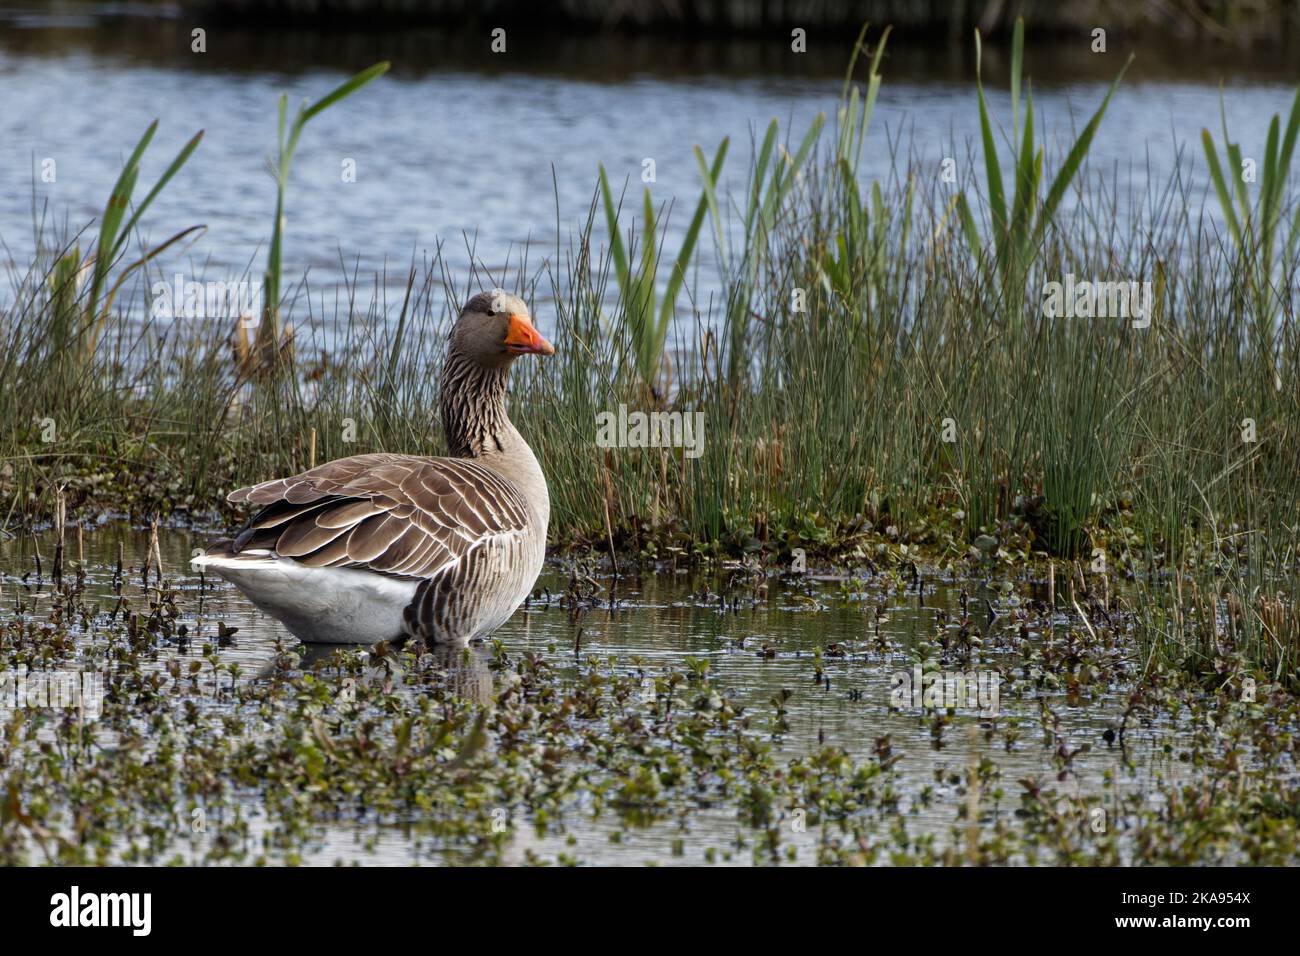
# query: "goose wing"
[[395, 514]]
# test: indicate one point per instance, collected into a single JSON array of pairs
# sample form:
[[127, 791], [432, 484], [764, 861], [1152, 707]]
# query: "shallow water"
[[758, 645], [457, 143]]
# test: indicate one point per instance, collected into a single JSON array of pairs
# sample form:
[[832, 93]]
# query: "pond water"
[[758, 643], [475, 150]]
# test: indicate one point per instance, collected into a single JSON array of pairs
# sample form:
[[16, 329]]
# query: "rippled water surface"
[[473, 149], [758, 646]]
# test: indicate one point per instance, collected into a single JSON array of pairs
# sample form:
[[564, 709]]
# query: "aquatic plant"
[[270, 337], [77, 318], [854, 261], [1253, 225], [637, 287], [1017, 232], [765, 211], [520, 753]]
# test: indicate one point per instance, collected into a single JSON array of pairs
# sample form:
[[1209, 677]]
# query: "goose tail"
[[221, 554]]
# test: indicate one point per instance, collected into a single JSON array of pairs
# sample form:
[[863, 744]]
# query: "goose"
[[387, 546]]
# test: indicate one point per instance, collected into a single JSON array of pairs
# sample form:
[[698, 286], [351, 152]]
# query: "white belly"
[[320, 605]]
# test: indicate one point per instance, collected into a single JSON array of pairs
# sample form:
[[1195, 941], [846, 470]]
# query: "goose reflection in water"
[[465, 670]]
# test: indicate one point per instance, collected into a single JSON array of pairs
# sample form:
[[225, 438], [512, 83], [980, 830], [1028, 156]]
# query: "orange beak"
[[524, 339]]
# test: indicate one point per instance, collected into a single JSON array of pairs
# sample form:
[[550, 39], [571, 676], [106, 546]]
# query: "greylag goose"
[[376, 547]]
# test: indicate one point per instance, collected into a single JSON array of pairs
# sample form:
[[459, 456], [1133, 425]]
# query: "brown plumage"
[[438, 548], [396, 514]]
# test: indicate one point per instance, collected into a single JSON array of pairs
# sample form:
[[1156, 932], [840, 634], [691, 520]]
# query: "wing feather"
[[396, 514]]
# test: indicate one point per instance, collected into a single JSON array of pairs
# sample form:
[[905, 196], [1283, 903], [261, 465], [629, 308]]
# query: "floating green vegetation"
[[518, 753]]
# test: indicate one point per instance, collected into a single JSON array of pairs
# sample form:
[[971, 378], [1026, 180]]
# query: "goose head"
[[495, 328]]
